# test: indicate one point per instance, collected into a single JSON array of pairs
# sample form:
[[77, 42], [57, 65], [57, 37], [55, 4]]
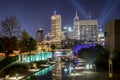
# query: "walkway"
[[17, 77]]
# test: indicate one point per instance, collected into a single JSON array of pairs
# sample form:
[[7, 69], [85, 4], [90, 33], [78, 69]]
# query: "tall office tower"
[[56, 26], [39, 35], [101, 37], [76, 27], [85, 30], [112, 35]]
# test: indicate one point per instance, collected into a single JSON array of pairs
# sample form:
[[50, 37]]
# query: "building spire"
[[76, 13], [90, 15], [76, 17]]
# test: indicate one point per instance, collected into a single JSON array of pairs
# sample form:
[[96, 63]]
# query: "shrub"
[[17, 68], [7, 61]]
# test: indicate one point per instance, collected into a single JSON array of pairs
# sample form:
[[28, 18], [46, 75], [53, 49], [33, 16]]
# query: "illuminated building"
[[68, 31], [71, 35], [112, 36], [101, 37], [56, 28], [76, 27], [62, 36], [39, 35], [37, 56], [86, 30], [56, 25]]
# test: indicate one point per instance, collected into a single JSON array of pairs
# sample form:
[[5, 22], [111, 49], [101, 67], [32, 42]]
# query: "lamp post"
[[16, 76], [110, 66]]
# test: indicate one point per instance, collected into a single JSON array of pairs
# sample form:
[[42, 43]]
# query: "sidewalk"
[[89, 75], [17, 77]]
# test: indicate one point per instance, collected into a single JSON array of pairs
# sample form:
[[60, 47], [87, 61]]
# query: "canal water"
[[45, 74], [48, 76]]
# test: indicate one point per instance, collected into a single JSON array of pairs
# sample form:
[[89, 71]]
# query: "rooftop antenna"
[[76, 13], [90, 15], [54, 12]]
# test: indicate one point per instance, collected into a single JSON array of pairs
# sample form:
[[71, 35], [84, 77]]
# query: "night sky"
[[35, 14]]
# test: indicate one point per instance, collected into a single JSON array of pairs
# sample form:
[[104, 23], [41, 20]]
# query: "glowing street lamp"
[[110, 66]]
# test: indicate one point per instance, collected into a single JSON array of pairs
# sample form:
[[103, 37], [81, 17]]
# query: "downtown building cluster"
[[83, 30]]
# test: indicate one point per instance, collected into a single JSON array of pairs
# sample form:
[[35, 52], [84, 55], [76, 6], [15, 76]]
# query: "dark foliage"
[[9, 44], [17, 68], [7, 61], [95, 55], [116, 62]]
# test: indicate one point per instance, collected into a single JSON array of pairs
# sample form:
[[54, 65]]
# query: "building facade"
[[112, 36], [39, 35], [76, 27], [101, 37], [56, 28], [86, 30]]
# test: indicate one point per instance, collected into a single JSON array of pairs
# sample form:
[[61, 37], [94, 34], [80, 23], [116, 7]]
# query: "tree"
[[27, 43], [101, 61], [9, 44], [31, 46], [11, 32], [67, 44], [10, 27], [24, 40], [2, 48], [93, 54], [53, 46], [88, 54]]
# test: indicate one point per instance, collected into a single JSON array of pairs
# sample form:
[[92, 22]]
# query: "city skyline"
[[33, 15]]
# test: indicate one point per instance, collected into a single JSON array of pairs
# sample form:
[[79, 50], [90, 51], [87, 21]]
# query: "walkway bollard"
[[16, 76], [7, 76]]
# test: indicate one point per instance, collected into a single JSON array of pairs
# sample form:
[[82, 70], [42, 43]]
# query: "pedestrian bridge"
[[35, 57]]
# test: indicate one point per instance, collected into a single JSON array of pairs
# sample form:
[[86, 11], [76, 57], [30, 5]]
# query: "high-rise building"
[[101, 37], [68, 32], [39, 35], [56, 26], [85, 30], [112, 36], [76, 27]]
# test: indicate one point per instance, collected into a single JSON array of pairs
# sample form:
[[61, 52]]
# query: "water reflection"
[[44, 71], [44, 74]]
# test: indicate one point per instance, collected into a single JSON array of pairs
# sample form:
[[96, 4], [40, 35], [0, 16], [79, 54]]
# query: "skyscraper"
[[85, 30], [56, 29], [76, 27], [39, 35], [56, 26]]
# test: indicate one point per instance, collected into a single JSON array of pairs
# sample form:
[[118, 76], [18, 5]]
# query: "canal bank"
[[36, 75]]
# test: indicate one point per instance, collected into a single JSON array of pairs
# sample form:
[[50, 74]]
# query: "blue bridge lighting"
[[80, 46]]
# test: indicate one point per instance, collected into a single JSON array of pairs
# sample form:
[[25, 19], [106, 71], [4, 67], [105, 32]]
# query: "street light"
[[110, 66], [16, 76]]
